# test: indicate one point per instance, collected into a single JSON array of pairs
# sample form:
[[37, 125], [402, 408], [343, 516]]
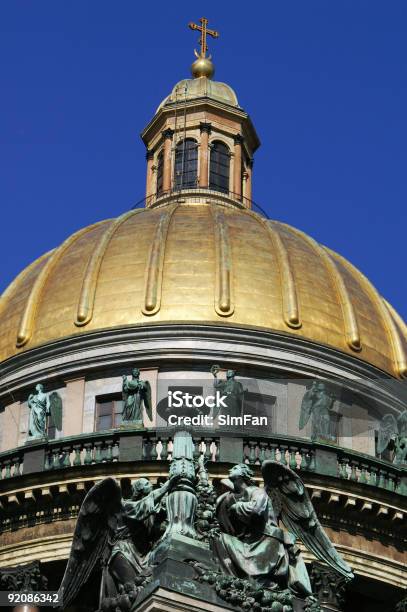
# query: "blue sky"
[[324, 82]]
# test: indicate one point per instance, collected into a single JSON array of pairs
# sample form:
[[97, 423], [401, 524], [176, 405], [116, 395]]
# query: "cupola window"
[[186, 164], [219, 167]]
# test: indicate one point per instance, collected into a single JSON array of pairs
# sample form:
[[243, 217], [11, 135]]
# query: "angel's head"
[[140, 488], [39, 388], [230, 374], [241, 471], [135, 373]]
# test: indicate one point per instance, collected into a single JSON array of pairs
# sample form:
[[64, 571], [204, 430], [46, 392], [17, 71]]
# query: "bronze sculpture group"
[[250, 533]]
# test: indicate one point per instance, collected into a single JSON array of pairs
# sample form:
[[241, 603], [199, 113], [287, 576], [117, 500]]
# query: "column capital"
[[21, 577], [328, 586], [205, 127], [168, 133], [238, 139], [149, 154], [402, 605]]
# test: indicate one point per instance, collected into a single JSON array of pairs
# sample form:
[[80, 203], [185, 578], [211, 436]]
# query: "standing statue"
[[251, 543], [318, 403], [118, 534], [396, 430], [232, 389], [136, 393], [41, 405]]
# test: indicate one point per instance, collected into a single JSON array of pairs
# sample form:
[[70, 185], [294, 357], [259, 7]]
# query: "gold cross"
[[204, 33]]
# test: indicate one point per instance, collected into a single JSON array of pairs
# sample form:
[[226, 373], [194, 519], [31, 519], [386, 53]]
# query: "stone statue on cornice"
[[42, 405], [394, 429], [232, 389], [136, 393], [317, 405]]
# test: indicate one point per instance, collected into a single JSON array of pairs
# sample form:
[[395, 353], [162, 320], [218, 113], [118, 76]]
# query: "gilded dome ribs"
[[291, 310], [29, 315], [15, 285], [287, 283], [351, 327], [399, 354], [155, 262], [396, 317], [88, 291], [223, 273]]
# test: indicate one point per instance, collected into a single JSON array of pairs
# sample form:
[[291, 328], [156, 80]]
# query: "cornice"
[[284, 355]]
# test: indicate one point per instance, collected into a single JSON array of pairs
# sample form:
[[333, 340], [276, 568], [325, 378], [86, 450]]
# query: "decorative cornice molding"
[[284, 354]]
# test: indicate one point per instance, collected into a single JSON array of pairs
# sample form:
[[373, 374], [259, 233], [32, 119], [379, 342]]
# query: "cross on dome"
[[204, 33]]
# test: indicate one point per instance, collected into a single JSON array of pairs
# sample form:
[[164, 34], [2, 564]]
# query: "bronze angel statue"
[[253, 545], [394, 429], [116, 536], [42, 405], [136, 393]]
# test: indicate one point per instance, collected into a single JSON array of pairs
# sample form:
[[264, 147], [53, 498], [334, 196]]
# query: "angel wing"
[[147, 400], [306, 409], [96, 518], [388, 429], [298, 515], [402, 424], [55, 408]]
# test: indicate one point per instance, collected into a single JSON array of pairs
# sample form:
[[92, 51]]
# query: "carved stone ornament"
[[328, 586], [23, 578]]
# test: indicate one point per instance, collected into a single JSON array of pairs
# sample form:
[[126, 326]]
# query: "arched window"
[[186, 164], [160, 171], [219, 167]]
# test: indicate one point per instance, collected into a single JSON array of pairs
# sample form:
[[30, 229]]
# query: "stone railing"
[[121, 446], [327, 459]]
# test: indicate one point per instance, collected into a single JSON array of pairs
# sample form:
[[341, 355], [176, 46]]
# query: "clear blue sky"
[[324, 82]]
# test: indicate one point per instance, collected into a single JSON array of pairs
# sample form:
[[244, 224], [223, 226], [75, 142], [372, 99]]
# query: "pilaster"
[[167, 135]]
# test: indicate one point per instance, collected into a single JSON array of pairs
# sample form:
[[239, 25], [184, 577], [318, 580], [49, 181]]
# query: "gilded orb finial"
[[203, 66]]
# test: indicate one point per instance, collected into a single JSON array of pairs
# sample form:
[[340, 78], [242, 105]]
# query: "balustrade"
[[11, 465], [60, 454], [294, 456], [157, 445], [371, 471], [160, 447]]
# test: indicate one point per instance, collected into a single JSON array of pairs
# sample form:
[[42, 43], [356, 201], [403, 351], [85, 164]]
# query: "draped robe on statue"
[[133, 538], [253, 546], [38, 404]]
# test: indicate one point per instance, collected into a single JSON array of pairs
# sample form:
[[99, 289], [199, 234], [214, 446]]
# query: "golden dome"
[[202, 87], [200, 263]]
